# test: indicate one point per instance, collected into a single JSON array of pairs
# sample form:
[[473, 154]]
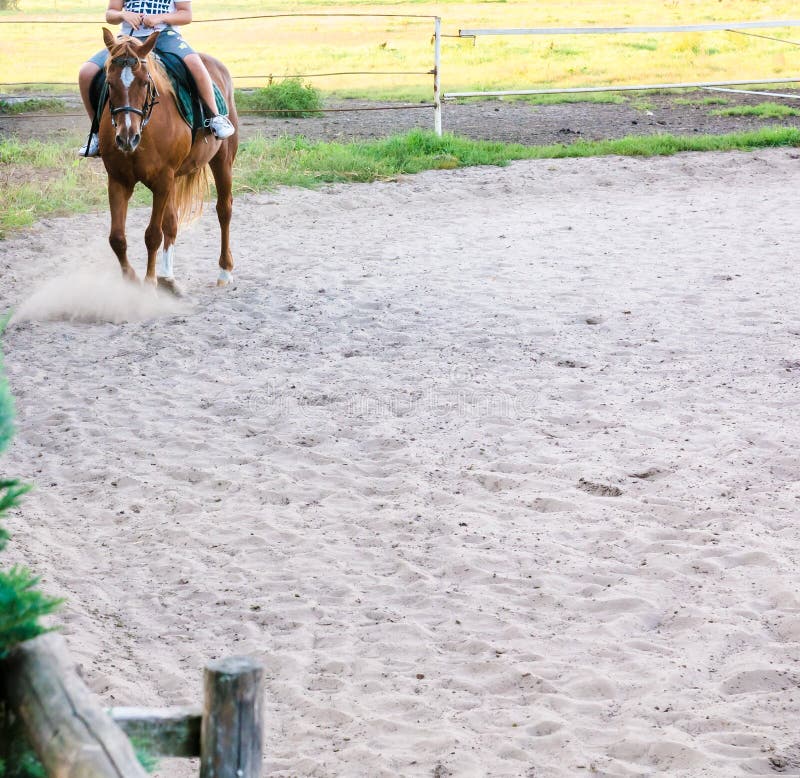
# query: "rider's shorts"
[[170, 41]]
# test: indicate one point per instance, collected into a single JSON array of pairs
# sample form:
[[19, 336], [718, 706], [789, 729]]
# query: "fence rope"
[[271, 76], [235, 18], [348, 73], [246, 112], [711, 27], [765, 37]]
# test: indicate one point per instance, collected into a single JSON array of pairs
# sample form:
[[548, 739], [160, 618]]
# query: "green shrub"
[[289, 98], [17, 760], [9, 5]]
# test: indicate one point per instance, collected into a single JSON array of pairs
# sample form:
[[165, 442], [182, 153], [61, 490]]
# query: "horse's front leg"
[[118, 196], [154, 233], [165, 268]]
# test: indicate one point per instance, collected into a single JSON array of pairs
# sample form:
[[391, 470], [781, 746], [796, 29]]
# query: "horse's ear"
[[146, 47], [108, 37]]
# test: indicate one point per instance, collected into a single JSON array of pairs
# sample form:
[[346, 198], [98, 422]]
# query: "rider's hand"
[[151, 20], [135, 20]]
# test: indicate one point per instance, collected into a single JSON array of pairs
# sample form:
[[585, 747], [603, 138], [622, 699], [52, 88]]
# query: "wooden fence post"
[[232, 732], [65, 724]]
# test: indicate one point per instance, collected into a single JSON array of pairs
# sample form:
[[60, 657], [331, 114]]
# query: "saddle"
[[191, 108]]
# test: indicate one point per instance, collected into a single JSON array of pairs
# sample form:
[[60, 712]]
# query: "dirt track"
[[464, 497], [494, 468], [490, 120]]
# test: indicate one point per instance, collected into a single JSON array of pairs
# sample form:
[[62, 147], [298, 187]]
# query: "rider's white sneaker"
[[221, 126], [93, 146]]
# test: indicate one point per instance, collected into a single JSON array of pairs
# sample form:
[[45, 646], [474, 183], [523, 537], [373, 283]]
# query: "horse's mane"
[[126, 46]]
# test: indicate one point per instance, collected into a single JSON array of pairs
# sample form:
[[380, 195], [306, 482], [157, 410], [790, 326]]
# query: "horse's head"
[[131, 91]]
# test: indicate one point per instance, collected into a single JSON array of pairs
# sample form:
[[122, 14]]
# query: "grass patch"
[[762, 110], [702, 102], [562, 51], [46, 179], [666, 145], [613, 98], [296, 161], [33, 105], [649, 45], [288, 98], [396, 93], [143, 755]]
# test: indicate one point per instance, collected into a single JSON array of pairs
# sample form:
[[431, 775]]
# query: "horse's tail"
[[190, 192]]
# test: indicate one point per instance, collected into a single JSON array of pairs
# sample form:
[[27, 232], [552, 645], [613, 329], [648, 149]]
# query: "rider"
[[140, 18]]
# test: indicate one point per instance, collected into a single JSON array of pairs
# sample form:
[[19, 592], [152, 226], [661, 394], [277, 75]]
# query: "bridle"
[[150, 98]]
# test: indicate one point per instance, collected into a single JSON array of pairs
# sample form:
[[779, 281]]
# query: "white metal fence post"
[[437, 74]]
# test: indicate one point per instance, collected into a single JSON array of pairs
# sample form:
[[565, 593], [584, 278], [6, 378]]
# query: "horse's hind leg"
[[164, 269], [118, 196], [222, 168]]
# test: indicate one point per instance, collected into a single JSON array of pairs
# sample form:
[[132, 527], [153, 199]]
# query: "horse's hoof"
[[221, 282], [170, 285]]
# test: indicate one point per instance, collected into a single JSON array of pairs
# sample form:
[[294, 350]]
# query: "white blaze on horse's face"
[[129, 93]]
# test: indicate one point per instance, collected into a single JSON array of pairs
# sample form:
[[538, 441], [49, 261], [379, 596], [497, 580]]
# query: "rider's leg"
[[203, 81], [171, 42], [219, 124], [85, 76]]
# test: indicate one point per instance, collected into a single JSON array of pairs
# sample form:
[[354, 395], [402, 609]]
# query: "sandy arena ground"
[[497, 470]]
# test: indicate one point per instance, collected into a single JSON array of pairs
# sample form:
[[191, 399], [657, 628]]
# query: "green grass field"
[[323, 44], [49, 179]]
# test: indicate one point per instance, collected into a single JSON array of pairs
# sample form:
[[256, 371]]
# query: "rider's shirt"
[[148, 8]]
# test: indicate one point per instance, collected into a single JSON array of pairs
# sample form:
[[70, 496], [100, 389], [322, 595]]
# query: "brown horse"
[[143, 138]]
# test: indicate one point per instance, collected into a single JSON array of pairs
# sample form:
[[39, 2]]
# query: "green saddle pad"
[[189, 103]]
